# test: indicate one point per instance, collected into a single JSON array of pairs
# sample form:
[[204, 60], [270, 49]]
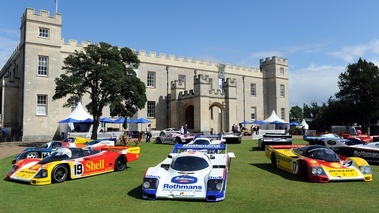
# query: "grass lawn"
[[253, 186]]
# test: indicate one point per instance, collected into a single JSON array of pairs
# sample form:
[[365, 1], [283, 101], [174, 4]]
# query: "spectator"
[[148, 133]]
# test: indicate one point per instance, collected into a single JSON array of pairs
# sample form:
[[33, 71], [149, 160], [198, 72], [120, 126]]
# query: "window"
[[182, 78], [41, 105], [42, 65], [151, 79], [253, 113], [282, 113], [151, 109], [282, 91], [281, 70], [44, 32], [253, 89]]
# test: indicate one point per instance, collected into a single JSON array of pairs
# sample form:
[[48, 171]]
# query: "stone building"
[[205, 95]]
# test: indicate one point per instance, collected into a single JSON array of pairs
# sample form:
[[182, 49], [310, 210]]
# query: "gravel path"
[[11, 148]]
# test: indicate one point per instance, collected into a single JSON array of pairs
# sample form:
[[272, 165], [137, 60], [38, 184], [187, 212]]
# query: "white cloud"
[[352, 53], [313, 84]]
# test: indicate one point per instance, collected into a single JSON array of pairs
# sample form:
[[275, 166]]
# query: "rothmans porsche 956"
[[189, 174], [71, 163], [318, 163]]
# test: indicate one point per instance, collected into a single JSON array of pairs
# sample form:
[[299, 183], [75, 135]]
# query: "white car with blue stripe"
[[189, 174]]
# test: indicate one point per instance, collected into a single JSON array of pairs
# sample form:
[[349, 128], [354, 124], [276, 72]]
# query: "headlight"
[[219, 186], [41, 174], [316, 170], [365, 169], [146, 184]]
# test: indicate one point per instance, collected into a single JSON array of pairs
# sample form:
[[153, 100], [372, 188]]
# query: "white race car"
[[189, 174], [206, 141]]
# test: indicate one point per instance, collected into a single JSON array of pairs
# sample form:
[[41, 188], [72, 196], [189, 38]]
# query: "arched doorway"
[[189, 117], [216, 118]]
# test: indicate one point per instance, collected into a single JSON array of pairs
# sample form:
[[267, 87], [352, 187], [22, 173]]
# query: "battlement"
[[177, 85], [186, 94], [74, 43], [229, 82], [273, 60], [201, 64], [200, 78], [43, 16]]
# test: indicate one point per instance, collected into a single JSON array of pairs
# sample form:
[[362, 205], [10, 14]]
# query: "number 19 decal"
[[78, 169]]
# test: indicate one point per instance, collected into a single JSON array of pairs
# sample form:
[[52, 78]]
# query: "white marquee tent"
[[274, 118], [78, 119]]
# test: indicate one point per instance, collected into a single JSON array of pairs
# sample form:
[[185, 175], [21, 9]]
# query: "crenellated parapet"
[[177, 85], [273, 60], [181, 61], [74, 43], [202, 79], [42, 16], [186, 94], [229, 82]]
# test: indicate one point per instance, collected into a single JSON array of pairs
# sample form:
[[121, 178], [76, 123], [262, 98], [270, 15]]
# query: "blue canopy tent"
[[259, 122], [246, 122], [294, 123], [106, 120]]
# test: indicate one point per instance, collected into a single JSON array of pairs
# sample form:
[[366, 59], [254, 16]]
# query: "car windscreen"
[[55, 156], [188, 163], [201, 141], [323, 154]]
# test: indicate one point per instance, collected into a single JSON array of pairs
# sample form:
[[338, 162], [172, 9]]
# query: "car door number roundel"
[[294, 167], [78, 170]]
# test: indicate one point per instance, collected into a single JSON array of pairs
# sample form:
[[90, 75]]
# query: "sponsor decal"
[[366, 154], [336, 165], [90, 165], [182, 188], [281, 158], [153, 176], [215, 177], [184, 179], [341, 170]]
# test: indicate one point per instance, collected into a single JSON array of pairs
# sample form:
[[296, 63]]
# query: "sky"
[[318, 38]]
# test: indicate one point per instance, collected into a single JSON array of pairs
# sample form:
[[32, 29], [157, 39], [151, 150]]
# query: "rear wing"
[[211, 148], [132, 153], [270, 148]]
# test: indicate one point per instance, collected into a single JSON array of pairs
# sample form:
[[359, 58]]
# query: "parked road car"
[[174, 138], [40, 151], [318, 163], [189, 174], [170, 130], [71, 163]]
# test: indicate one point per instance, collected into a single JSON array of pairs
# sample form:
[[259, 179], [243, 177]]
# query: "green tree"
[[106, 74], [359, 90], [296, 114]]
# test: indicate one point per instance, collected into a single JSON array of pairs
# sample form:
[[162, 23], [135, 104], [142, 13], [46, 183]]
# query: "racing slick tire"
[[120, 163], [59, 174], [304, 171], [178, 140], [158, 140], [273, 160], [32, 155]]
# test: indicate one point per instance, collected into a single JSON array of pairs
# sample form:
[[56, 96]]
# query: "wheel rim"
[[120, 163], [32, 155], [60, 174]]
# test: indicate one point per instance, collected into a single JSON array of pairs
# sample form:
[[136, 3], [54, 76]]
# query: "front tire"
[[304, 171], [59, 174], [120, 163], [158, 140], [32, 155], [178, 140]]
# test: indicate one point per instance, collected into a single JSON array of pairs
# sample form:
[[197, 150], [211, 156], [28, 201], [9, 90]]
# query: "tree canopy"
[[359, 91], [105, 73]]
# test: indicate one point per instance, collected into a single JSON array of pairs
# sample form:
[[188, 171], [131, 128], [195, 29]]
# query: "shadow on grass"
[[269, 168], [136, 192]]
